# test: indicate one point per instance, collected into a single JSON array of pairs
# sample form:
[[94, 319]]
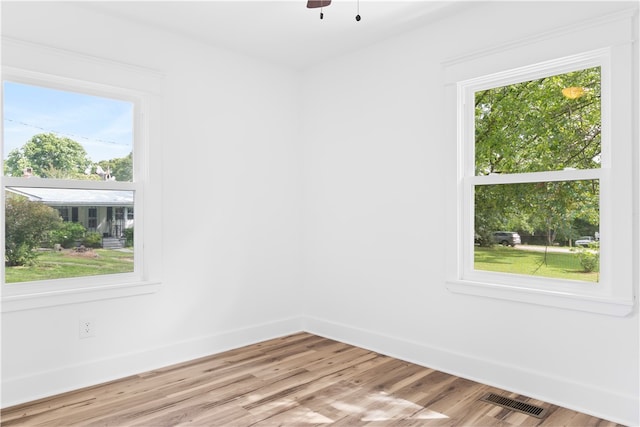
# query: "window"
[[119, 213], [63, 211], [56, 138], [542, 154], [92, 219], [534, 143], [75, 146]]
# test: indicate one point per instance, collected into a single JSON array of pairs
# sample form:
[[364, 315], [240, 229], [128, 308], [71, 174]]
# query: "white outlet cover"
[[86, 328]]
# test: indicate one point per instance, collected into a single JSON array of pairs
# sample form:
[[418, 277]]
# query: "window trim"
[[467, 90], [614, 295], [68, 67]]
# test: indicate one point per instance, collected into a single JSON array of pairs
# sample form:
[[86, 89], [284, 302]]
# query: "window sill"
[[40, 298], [589, 303]]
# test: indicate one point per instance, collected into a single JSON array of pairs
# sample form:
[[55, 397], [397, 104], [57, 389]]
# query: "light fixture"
[[314, 4]]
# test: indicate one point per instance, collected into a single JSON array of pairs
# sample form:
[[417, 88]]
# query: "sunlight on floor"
[[373, 407], [307, 416], [384, 407]]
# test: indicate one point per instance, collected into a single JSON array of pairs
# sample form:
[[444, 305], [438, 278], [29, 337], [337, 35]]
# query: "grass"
[[559, 265], [68, 263]]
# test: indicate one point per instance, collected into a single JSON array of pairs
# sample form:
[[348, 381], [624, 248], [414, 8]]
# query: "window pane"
[[552, 123], [40, 244], [548, 229], [57, 134]]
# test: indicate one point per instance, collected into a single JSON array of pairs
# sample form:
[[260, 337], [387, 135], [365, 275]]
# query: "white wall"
[[376, 165], [229, 150], [334, 226]]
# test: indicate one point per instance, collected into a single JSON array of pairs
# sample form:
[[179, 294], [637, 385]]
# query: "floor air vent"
[[515, 405]]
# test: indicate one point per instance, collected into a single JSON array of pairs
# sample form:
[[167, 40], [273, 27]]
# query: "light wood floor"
[[297, 380]]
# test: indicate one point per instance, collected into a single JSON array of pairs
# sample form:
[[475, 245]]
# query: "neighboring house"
[[108, 212]]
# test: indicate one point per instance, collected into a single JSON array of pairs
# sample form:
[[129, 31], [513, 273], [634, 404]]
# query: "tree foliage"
[[121, 168], [548, 124], [49, 156], [26, 225]]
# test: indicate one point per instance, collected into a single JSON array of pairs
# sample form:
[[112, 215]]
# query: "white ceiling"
[[284, 32]]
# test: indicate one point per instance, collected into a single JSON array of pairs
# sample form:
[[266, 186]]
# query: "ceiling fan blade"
[[311, 4]]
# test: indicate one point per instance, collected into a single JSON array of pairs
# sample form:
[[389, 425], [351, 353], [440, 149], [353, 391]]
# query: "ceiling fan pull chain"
[[321, 13], [358, 13]]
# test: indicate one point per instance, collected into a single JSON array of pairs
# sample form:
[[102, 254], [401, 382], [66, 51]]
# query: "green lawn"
[[68, 263], [560, 265], [57, 265]]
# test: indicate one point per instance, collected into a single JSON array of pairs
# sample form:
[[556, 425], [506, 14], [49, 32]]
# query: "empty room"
[[296, 213]]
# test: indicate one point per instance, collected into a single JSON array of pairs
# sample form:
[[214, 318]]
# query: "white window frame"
[[548, 55], [145, 277]]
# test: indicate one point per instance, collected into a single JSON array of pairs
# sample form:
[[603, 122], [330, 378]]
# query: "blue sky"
[[104, 127]]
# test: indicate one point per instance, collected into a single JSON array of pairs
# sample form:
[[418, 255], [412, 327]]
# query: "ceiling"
[[283, 32]]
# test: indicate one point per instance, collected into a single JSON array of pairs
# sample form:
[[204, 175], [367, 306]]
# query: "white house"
[[108, 212], [303, 174]]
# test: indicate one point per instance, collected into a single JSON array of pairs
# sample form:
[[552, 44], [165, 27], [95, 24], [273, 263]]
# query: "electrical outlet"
[[87, 328]]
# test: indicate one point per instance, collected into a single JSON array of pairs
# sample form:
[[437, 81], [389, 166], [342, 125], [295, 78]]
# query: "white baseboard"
[[48, 383], [586, 398], [589, 399]]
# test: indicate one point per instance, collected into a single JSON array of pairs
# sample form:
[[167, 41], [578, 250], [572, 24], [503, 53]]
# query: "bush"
[[92, 240], [68, 234], [128, 236], [26, 225], [484, 238], [20, 255], [589, 259]]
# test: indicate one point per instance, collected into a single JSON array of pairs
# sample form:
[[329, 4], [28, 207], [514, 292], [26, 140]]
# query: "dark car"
[[506, 238]]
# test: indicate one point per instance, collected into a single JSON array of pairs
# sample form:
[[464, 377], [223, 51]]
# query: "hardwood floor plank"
[[296, 380]]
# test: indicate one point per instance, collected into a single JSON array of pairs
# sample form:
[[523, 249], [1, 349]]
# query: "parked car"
[[507, 238], [585, 241]]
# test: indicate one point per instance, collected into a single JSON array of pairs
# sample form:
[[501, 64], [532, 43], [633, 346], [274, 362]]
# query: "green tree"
[[547, 124], [26, 225], [121, 168], [49, 156]]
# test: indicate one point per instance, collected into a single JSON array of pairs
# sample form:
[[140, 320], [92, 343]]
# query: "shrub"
[[26, 225], [21, 254], [92, 240], [128, 236], [589, 259], [67, 234]]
